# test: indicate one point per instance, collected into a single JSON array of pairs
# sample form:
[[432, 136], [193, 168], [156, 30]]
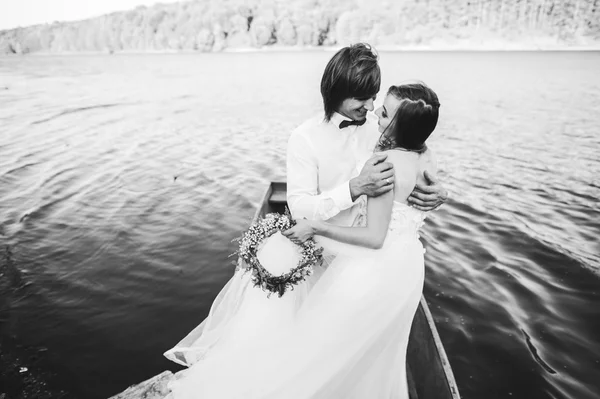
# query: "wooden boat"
[[429, 373]]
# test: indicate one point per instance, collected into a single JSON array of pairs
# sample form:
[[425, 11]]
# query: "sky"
[[14, 13]]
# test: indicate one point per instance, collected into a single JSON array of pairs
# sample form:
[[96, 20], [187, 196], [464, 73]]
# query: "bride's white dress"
[[342, 335]]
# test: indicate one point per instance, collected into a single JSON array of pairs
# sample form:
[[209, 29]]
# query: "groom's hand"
[[376, 178], [428, 197]]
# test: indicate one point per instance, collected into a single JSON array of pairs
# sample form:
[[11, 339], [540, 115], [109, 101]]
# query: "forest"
[[217, 25]]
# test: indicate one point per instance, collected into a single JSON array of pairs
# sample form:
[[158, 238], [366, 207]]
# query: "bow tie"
[[344, 123]]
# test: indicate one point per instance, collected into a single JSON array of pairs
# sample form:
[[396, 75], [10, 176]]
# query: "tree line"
[[215, 25]]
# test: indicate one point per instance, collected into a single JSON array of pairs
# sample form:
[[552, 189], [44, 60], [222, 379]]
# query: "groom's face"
[[356, 108]]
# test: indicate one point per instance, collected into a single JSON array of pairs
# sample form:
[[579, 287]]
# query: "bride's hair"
[[353, 72], [415, 119]]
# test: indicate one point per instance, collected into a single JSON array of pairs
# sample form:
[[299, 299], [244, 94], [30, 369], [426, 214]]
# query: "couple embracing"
[[361, 186]]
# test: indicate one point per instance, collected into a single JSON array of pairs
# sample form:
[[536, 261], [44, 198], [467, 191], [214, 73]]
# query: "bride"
[[344, 334]]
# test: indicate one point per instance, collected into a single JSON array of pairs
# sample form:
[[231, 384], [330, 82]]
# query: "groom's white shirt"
[[321, 160]]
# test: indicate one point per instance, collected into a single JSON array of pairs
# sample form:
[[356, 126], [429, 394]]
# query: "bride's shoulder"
[[409, 156], [410, 160], [402, 156]]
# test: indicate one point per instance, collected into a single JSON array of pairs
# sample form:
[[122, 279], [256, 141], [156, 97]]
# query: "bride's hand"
[[302, 231]]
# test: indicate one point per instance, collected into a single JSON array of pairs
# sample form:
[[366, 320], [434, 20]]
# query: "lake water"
[[123, 180]]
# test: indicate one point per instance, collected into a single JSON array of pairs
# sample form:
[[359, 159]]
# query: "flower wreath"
[[263, 228]]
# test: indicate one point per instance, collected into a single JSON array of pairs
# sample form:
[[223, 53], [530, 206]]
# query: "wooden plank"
[[153, 388], [264, 205], [278, 198], [424, 362], [441, 352]]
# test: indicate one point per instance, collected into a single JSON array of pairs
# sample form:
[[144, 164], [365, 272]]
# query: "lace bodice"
[[406, 220]]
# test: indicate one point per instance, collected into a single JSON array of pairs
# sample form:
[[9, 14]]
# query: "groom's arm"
[[303, 195]]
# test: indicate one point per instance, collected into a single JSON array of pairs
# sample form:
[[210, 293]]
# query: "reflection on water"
[[123, 180]]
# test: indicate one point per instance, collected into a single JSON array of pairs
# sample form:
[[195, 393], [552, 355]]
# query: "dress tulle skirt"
[[344, 334]]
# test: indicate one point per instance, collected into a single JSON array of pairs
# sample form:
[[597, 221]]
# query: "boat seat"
[[278, 197]]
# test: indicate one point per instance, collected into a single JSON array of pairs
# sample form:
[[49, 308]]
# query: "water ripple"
[[75, 110], [122, 212]]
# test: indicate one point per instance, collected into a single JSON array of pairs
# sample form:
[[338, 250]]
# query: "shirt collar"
[[337, 118]]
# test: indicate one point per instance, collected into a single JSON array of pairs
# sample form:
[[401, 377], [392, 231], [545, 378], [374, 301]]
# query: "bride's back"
[[409, 169], [407, 118]]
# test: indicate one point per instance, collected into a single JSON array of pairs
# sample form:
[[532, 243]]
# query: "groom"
[[324, 155]]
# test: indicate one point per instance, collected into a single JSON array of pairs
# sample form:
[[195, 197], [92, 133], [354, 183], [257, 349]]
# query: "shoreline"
[[507, 48]]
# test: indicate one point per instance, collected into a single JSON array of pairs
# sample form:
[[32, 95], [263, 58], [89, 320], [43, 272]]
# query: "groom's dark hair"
[[352, 72]]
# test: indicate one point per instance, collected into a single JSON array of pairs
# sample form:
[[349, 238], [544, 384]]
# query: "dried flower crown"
[[250, 241]]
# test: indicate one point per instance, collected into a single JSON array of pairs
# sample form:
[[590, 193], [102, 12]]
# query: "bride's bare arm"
[[379, 210]]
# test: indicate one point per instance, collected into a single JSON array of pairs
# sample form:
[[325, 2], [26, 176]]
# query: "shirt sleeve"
[[304, 199]]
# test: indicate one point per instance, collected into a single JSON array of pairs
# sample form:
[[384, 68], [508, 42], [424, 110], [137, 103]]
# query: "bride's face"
[[386, 112]]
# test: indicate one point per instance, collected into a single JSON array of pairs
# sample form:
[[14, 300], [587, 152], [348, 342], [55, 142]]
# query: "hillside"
[[215, 25]]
